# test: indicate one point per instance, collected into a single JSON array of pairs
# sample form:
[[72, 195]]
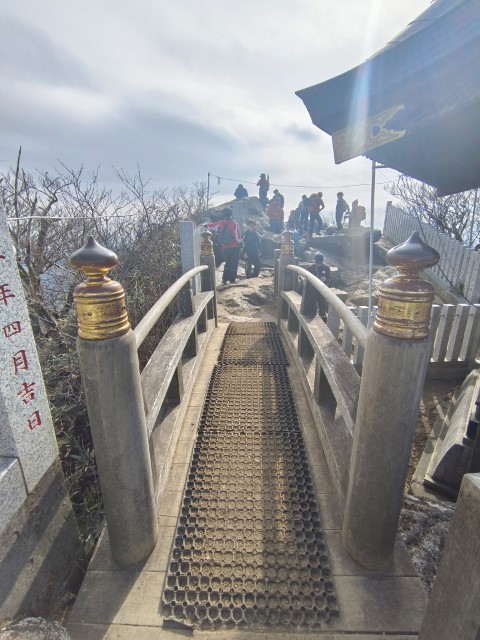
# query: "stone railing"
[[366, 424], [136, 417]]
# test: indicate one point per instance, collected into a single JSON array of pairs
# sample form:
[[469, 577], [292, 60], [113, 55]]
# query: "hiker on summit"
[[276, 215], [230, 238], [263, 186], [252, 246], [341, 208], [322, 271], [280, 197], [240, 192], [301, 218], [315, 205]]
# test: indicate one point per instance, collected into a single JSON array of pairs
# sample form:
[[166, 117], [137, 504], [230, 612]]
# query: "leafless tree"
[[450, 214], [51, 214]]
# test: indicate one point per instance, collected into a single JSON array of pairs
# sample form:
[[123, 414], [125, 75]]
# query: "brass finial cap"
[[206, 248], [405, 301], [286, 245], [100, 301]]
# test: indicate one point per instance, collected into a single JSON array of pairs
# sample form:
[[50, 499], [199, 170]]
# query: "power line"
[[92, 218], [301, 186]]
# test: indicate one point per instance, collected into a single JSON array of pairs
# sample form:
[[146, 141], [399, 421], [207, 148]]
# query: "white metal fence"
[[459, 266]]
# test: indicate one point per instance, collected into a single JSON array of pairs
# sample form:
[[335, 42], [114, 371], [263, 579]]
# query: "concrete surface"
[[454, 607], [121, 604], [41, 557]]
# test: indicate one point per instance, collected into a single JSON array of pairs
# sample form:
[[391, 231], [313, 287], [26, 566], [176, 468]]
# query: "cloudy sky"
[[185, 87]]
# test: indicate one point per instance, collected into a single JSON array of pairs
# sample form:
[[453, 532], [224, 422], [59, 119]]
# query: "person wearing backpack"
[[230, 238], [341, 208], [252, 246]]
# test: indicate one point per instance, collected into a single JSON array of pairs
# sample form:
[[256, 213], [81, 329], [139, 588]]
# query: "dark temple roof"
[[415, 105]]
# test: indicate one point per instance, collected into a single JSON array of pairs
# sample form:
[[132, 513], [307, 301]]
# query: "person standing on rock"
[[263, 186], [280, 197], [276, 215], [252, 246], [315, 205], [230, 238], [240, 192], [341, 208], [322, 271], [301, 218]]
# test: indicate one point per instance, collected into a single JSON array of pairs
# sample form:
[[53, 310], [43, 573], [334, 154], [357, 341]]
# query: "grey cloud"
[[171, 147], [302, 134], [29, 54]]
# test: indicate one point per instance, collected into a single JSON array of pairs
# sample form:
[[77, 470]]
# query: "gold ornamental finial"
[[100, 301], [286, 245], [206, 248], [405, 301]]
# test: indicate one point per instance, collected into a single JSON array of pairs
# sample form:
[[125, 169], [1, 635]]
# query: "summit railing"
[[136, 416]]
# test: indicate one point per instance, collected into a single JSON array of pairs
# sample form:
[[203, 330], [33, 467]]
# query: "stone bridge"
[[252, 475]]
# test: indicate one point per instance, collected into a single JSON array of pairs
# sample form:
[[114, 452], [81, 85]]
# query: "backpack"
[[225, 234]]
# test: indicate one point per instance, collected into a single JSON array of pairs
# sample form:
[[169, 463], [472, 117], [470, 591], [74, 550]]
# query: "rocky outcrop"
[[424, 526]]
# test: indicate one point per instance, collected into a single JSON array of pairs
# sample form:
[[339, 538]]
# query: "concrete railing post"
[[186, 309], [285, 277], [276, 256], [109, 364], [394, 367], [208, 278], [309, 300], [454, 607]]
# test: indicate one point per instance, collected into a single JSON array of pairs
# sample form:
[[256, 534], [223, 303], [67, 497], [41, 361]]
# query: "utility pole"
[[208, 188], [370, 260]]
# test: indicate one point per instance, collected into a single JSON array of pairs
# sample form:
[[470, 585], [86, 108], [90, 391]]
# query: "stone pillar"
[[394, 367], [285, 277], [109, 364], [454, 607], [276, 257], [188, 250], [209, 277], [238, 211]]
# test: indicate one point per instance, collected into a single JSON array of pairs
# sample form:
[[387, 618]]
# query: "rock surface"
[[34, 629], [424, 526]]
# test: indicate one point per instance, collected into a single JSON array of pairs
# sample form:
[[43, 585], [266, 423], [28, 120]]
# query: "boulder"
[[247, 207], [353, 248]]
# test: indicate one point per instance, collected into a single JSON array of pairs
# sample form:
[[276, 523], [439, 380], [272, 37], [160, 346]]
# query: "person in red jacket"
[[276, 215], [230, 238]]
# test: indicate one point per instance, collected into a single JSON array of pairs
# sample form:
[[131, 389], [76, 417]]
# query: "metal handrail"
[[149, 320], [352, 322]]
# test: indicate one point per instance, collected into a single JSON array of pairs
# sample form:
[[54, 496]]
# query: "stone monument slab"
[[27, 431]]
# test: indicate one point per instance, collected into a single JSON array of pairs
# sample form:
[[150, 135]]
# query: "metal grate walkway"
[[249, 547]]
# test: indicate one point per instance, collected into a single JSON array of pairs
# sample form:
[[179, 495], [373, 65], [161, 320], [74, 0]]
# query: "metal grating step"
[[249, 548], [253, 348], [249, 328]]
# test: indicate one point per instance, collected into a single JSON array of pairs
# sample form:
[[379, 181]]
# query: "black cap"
[[319, 257]]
